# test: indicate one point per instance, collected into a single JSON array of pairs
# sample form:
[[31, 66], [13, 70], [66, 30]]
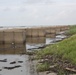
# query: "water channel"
[[12, 62]]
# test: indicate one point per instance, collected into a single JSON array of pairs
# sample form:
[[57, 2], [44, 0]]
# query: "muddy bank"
[[33, 70], [56, 65]]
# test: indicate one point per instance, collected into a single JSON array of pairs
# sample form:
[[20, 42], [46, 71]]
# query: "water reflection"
[[35, 42], [50, 36], [12, 49]]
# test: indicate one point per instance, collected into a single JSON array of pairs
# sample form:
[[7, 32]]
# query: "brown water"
[[12, 49], [36, 42], [12, 52]]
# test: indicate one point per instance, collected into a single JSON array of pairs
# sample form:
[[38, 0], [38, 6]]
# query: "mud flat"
[[16, 68]]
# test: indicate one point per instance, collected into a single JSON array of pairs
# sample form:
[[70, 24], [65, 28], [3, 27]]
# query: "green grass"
[[72, 30], [42, 67], [65, 49]]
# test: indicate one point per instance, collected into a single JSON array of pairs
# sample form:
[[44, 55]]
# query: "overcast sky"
[[37, 12]]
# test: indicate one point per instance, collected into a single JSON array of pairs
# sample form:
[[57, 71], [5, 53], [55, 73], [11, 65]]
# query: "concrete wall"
[[1, 38], [35, 32], [49, 30], [12, 36], [63, 28], [12, 41], [19, 35]]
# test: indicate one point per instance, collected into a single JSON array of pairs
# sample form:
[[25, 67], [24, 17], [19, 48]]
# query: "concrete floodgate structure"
[[14, 40], [13, 45]]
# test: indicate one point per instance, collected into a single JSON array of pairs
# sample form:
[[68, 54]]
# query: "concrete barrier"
[[19, 35], [12, 36], [63, 28], [35, 32], [12, 41], [1, 38], [50, 30]]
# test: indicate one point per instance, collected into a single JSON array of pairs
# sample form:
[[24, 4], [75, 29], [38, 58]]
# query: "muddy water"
[[35, 42], [12, 49], [10, 53], [38, 42], [13, 53]]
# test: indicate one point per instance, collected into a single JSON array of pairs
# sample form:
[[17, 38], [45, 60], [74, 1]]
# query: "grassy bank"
[[65, 49], [72, 30], [61, 55]]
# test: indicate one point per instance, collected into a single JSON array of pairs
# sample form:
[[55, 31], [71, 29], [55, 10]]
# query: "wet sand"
[[23, 70]]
